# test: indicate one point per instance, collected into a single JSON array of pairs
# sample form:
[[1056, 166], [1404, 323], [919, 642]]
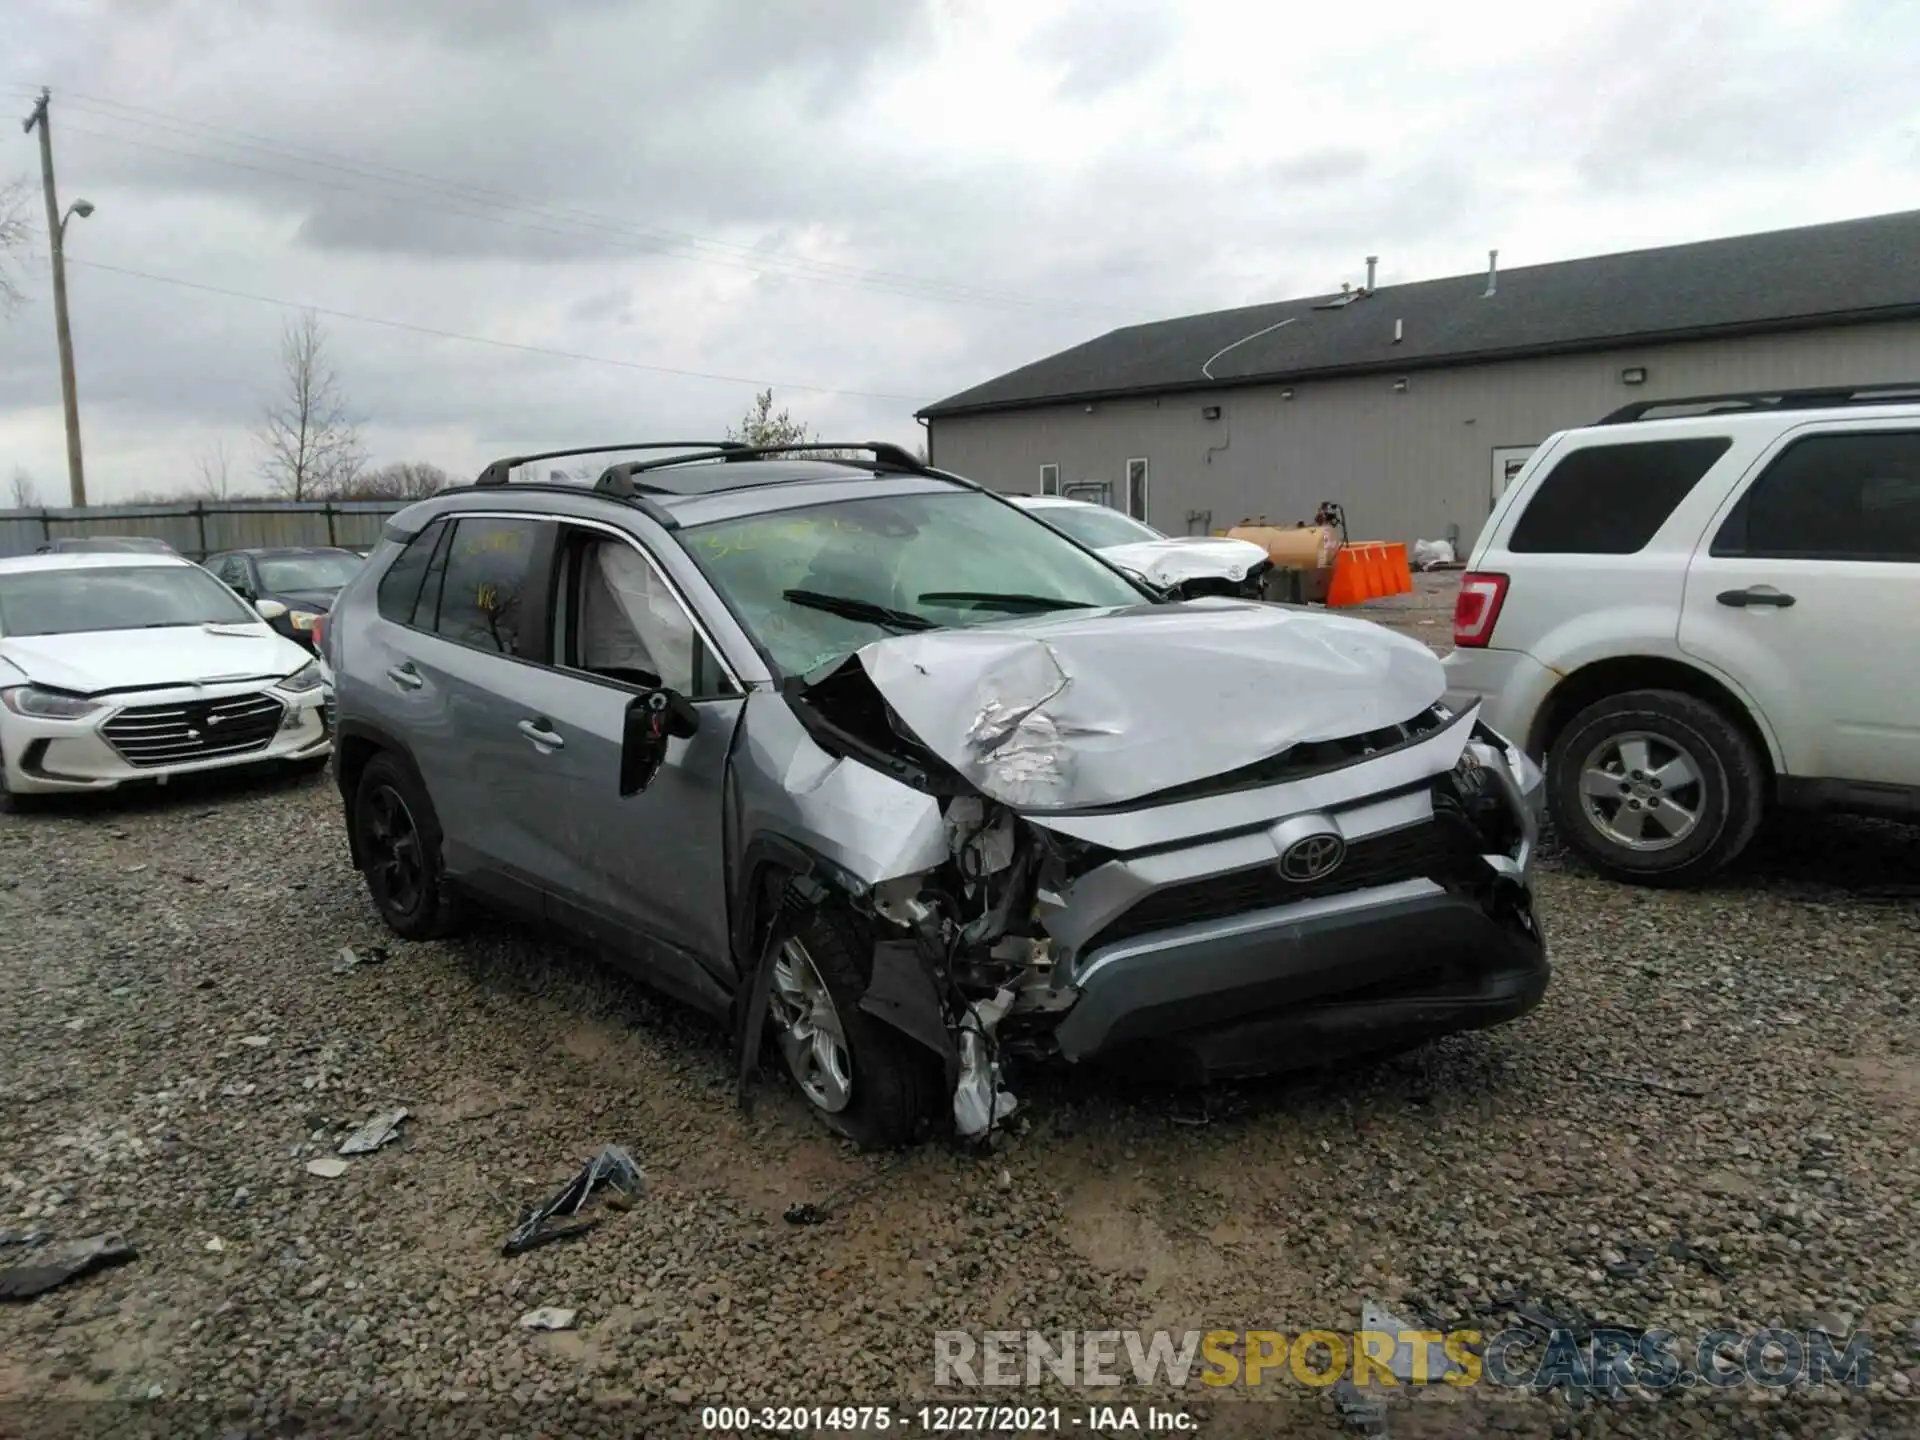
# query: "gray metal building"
[[1413, 404]]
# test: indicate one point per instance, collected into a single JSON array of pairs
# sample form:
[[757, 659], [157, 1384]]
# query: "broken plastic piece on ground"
[[612, 1166], [548, 1317], [255, 1042], [352, 959], [327, 1168], [1404, 1365], [978, 1101], [376, 1132], [61, 1263]]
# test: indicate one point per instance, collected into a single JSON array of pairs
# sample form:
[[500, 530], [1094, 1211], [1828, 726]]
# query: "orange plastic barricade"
[[1348, 586], [1398, 569], [1377, 570]]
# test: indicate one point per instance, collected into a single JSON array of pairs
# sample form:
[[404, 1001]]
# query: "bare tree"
[[215, 468], [312, 444], [26, 495], [16, 238], [403, 480]]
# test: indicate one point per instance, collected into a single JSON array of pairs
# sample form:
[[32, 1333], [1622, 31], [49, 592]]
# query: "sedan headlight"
[[307, 677], [40, 704], [303, 619]]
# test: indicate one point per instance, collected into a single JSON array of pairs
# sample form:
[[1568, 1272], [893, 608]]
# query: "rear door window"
[[484, 597], [1612, 499], [1832, 497]]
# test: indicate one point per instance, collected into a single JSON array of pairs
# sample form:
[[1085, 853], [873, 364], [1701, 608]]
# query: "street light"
[[82, 208]]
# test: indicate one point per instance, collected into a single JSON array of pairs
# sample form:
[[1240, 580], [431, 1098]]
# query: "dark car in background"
[[304, 579]]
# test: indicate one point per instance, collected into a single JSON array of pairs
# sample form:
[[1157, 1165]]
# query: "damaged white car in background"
[[942, 792]]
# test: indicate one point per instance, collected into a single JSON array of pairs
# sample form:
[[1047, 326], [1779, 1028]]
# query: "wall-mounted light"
[[1286, 394], [1089, 409], [1400, 384], [1634, 375], [1210, 412]]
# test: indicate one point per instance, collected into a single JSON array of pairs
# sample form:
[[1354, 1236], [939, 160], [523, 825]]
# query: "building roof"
[[1851, 271]]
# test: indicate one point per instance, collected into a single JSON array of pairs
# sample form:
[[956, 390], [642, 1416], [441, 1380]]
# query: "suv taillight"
[[1477, 608], [319, 634]]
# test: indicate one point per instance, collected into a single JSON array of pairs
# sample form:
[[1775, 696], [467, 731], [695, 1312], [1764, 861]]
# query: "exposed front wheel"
[[863, 1078], [1655, 787], [398, 839]]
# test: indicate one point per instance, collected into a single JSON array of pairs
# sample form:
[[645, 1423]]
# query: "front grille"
[[153, 735], [1440, 849]]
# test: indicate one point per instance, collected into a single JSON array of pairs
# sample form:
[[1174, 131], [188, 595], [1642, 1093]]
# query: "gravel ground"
[[1710, 1120]]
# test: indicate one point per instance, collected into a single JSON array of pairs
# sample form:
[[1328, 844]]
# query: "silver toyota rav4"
[[861, 757]]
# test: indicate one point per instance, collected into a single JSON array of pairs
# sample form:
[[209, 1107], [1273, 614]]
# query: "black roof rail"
[[498, 472], [1891, 392], [619, 479]]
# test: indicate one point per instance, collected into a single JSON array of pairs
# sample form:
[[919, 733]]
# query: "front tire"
[[1655, 787], [397, 837], [863, 1078]]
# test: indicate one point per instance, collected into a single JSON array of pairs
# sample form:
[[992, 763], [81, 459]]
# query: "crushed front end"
[[1335, 896]]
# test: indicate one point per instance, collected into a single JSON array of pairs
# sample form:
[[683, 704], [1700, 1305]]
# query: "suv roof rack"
[[619, 479], [1891, 392], [501, 470]]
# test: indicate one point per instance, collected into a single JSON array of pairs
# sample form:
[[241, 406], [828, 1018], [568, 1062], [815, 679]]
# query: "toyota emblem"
[[1313, 858]]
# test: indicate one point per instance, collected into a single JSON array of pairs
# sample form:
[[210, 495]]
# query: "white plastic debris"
[[215, 1245], [327, 1168], [350, 959], [378, 1131], [548, 1317], [979, 1103], [255, 1042], [1438, 1365], [1428, 554]]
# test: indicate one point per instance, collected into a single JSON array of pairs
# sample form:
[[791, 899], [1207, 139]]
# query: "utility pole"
[[56, 243]]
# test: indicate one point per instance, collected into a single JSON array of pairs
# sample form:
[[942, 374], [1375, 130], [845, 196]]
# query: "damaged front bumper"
[[1298, 985], [1214, 955]]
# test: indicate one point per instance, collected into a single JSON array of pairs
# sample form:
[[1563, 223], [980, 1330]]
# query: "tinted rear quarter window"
[[1832, 497], [399, 590], [1612, 499]]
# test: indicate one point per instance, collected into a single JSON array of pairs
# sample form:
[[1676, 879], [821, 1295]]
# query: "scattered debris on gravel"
[[1522, 1176]]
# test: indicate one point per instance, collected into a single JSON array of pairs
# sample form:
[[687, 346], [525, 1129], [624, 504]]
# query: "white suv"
[[1693, 618]]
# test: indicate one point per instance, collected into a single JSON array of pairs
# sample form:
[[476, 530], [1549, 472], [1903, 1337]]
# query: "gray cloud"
[[790, 194]]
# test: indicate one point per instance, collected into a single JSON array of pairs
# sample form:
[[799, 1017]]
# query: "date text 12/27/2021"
[[945, 1419]]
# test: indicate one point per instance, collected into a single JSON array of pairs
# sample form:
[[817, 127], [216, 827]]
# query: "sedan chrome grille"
[[153, 735]]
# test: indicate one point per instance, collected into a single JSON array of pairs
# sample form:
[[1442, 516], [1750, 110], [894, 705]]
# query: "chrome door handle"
[[537, 731], [1757, 595], [405, 677]]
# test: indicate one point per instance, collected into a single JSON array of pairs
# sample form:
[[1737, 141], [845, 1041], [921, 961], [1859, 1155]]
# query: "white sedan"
[[1183, 565], [119, 667]]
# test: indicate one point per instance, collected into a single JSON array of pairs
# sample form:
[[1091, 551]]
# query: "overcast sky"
[[866, 204]]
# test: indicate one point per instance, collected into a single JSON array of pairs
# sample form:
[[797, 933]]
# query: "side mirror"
[[270, 609], [652, 720]]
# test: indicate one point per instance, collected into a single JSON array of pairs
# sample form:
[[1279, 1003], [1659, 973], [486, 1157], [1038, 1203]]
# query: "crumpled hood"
[[177, 655], [1180, 558], [1099, 708]]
